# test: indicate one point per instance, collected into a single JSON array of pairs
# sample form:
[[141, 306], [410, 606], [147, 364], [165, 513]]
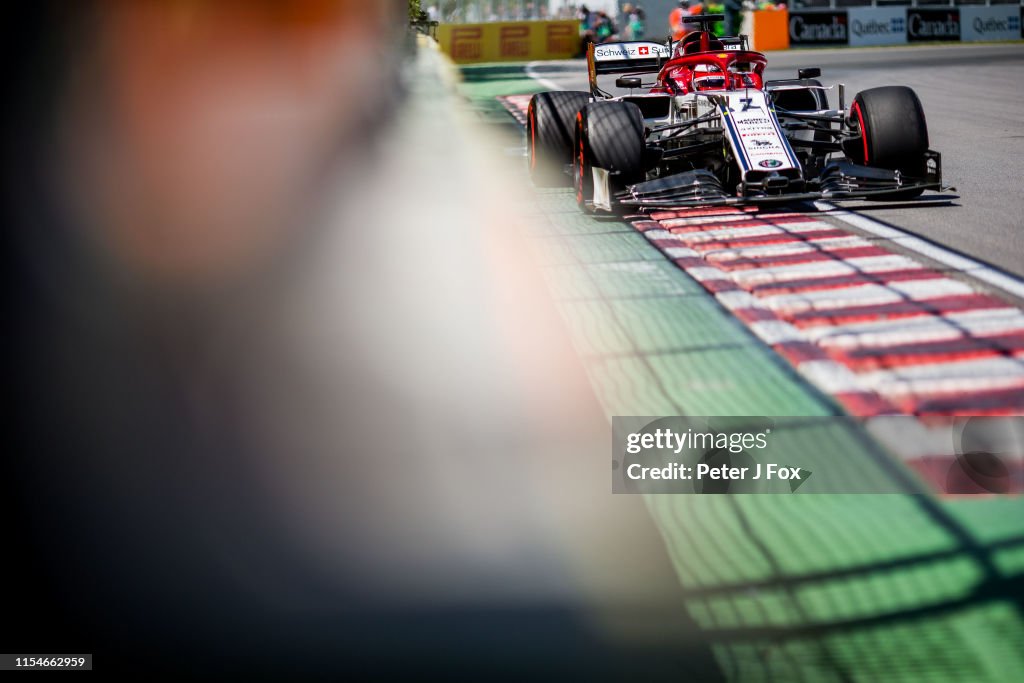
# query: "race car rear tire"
[[894, 134], [550, 119], [609, 135]]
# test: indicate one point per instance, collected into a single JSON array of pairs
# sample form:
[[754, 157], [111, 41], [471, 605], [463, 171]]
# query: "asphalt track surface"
[[975, 110]]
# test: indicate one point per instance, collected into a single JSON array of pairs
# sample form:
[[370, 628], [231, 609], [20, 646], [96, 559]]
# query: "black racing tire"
[[550, 121], [609, 135], [893, 133]]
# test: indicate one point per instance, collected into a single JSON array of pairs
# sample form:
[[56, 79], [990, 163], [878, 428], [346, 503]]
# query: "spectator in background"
[[586, 18], [634, 29], [719, 28], [676, 16], [604, 28], [733, 17]]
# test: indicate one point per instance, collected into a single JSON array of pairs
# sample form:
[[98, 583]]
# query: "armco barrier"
[[514, 41]]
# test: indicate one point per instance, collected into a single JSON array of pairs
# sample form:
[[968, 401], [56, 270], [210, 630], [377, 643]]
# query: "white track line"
[[831, 377], [987, 374], [822, 269], [881, 333], [711, 220], [824, 245], [930, 250], [532, 73], [774, 332], [719, 234], [866, 295]]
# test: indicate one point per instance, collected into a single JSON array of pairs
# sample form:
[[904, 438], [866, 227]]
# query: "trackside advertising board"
[[877, 26], [867, 26], [999, 22], [624, 52], [930, 24], [512, 41], [818, 27]]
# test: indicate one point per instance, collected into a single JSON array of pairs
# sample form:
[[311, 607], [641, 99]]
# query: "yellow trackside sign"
[[511, 41]]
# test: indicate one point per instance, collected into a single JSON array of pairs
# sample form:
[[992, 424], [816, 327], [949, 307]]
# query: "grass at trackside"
[[817, 588], [503, 77], [481, 83]]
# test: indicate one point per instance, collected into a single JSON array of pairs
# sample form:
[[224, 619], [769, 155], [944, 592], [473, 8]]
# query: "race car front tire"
[[549, 135], [893, 133], [609, 135]]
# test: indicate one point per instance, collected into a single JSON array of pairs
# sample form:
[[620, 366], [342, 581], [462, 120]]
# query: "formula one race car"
[[711, 131]]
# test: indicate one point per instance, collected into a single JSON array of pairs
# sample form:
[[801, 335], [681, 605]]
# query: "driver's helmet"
[[710, 78]]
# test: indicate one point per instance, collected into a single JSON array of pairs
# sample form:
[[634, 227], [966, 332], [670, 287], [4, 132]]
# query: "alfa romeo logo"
[[769, 163]]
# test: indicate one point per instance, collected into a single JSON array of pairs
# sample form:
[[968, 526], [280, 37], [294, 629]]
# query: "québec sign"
[[996, 22]]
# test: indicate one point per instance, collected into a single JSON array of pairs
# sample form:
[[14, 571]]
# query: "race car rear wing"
[[642, 57], [734, 42], [638, 57]]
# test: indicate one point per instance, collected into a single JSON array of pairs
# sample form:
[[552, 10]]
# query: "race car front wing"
[[839, 180]]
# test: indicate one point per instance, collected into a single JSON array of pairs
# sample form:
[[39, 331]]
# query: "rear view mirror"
[[628, 82], [809, 72]]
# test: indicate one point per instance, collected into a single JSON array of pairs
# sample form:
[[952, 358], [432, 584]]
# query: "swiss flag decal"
[[644, 50]]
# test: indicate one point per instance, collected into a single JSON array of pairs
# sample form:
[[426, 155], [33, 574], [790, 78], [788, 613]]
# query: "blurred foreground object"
[[286, 395]]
